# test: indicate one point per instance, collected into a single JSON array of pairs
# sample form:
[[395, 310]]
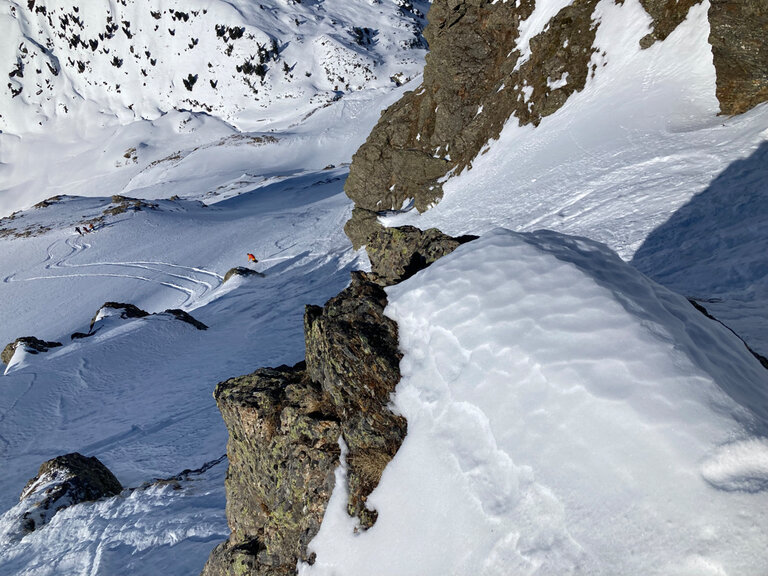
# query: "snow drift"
[[565, 416]]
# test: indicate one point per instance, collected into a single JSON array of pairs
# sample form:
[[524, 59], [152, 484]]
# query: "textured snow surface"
[[565, 416]]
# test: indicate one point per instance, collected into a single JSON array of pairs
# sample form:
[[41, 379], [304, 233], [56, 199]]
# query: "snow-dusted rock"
[[28, 344], [61, 482]]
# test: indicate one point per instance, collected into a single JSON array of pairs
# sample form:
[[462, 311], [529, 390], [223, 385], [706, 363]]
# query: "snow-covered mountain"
[[85, 73], [569, 411], [244, 62]]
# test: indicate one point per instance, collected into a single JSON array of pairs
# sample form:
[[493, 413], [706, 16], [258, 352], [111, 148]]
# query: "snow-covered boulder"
[[28, 344], [119, 310], [61, 482]]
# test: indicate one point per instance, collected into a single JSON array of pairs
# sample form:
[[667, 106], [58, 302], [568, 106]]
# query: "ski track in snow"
[[198, 288]]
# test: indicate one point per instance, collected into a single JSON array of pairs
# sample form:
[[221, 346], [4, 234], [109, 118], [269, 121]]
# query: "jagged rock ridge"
[[285, 423]]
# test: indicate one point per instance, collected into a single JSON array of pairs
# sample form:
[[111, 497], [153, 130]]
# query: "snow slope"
[[76, 125], [565, 416], [622, 156], [138, 393]]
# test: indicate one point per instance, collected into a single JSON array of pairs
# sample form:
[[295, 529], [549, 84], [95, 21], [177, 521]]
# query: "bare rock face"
[[283, 450], [667, 15], [62, 482], [352, 350], [739, 38], [285, 423], [31, 344], [398, 253], [475, 79]]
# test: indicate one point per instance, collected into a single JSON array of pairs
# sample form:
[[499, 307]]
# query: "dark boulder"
[[31, 344], [62, 482], [124, 310], [241, 271]]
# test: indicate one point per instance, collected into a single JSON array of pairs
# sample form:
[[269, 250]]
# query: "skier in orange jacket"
[[252, 258]]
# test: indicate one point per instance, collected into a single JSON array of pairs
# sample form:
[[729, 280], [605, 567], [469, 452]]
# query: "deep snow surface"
[[565, 416]]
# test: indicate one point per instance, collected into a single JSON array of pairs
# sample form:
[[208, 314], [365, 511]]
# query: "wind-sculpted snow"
[[565, 416]]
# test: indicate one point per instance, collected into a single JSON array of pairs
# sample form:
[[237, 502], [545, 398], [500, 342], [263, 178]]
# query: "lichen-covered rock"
[[474, 81], [120, 309], [186, 317], [31, 344], [240, 271], [284, 423], [352, 350], [398, 253], [283, 450], [64, 481], [740, 51]]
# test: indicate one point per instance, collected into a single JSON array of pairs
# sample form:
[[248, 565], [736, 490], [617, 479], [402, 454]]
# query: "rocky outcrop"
[[283, 450], [241, 271], [398, 253], [62, 482], [666, 15], [475, 79], [480, 72], [186, 317], [285, 423], [352, 350], [31, 344], [740, 51]]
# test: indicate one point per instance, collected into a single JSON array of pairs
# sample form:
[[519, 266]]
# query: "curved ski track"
[[193, 282]]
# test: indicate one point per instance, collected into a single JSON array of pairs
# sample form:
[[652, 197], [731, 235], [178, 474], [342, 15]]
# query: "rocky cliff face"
[[286, 423], [485, 66]]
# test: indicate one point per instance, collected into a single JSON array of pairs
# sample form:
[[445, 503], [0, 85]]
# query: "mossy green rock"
[[283, 450], [352, 350], [398, 253]]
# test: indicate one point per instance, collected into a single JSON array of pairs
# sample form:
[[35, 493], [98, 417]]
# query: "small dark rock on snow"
[[30, 343], [241, 271]]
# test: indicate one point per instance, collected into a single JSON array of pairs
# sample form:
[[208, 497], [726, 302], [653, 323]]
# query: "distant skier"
[[90, 227], [252, 258], [77, 229]]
